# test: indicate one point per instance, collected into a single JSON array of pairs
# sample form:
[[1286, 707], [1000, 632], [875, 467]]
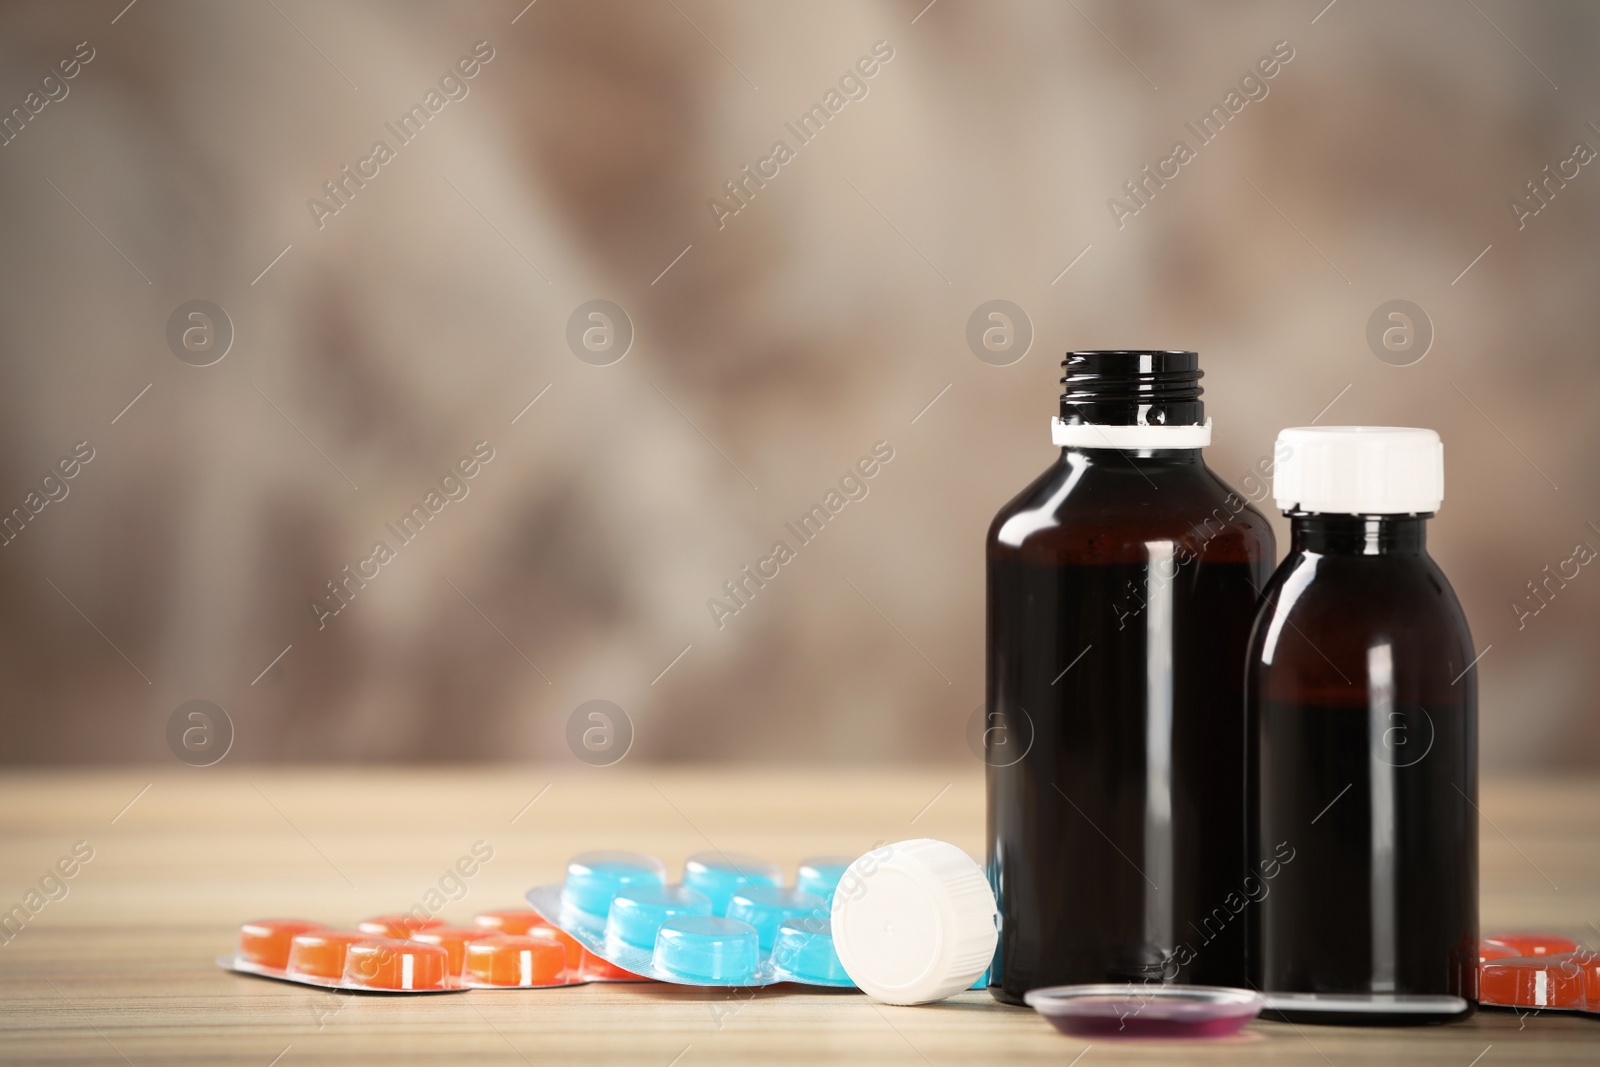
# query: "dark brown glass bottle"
[[1121, 588], [1363, 756]]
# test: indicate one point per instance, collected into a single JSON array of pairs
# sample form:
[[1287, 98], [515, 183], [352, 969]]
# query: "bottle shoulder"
[[1110, 508], [1327, 619], [1308, 585]]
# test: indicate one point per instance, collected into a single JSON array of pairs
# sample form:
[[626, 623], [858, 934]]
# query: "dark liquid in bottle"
[[1398, 915], [1363, 750], [1117, 841]]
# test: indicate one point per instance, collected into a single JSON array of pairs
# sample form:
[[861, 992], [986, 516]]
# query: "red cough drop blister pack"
[[1539, 972], [510, 949]]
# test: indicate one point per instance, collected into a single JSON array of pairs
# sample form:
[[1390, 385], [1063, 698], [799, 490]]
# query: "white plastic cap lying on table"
[[914, 922], [1358, 470]]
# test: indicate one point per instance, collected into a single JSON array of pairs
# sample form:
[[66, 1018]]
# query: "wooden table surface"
[[119, 969]]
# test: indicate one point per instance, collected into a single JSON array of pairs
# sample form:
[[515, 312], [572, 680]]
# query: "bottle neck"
[[1132, 387], [1360, 535], [1175, 457]]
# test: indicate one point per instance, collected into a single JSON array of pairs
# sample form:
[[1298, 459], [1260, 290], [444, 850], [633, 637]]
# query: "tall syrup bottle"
[[1121, 588]]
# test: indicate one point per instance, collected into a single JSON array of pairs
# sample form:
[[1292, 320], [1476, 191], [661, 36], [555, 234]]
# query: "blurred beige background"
[[770, 352]]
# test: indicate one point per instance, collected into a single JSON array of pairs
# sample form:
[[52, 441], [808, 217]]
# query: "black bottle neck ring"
[[1328, 534]]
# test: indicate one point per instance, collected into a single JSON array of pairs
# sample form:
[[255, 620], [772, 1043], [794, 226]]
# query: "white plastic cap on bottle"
[[915, 922], [1358, 470]]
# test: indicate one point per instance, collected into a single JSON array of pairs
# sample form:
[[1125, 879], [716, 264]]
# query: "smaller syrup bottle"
[[1362, 743]]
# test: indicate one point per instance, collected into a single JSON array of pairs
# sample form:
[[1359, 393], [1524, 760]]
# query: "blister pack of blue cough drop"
[[729, 922]]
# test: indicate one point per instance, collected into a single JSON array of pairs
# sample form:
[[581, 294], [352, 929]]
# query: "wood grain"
[[120, 970]]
